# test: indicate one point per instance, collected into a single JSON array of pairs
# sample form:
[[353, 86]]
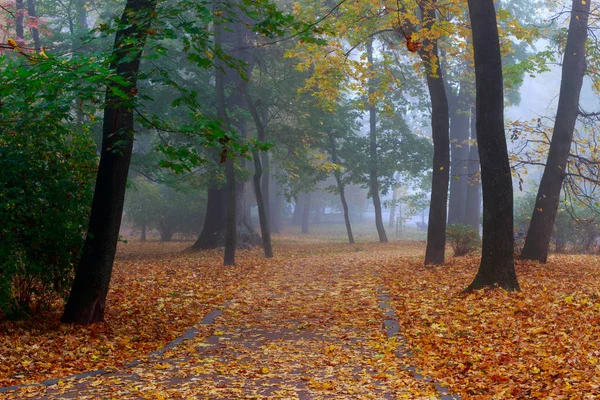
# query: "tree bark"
[[87, 300], [546, 206], [305, 213], [35, 32], [275, 210], [213, 230], [373, 164], [231, 227], [19, 18], [474, 187], [341, 188], [436, 229], [459, 153], [497, 267], [263, 211]]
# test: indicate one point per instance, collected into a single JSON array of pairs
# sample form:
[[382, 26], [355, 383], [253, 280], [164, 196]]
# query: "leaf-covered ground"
[[308, 325]]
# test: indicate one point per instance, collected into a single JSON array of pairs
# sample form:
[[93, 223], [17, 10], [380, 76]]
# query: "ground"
[[318, 321]]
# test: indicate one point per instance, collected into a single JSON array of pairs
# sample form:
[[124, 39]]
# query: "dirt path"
[[305, 329]]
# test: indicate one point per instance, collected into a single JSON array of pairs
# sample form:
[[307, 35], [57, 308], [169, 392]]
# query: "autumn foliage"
[[489, 344]]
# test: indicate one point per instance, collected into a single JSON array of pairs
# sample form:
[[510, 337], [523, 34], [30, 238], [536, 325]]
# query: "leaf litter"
[[308, 325]]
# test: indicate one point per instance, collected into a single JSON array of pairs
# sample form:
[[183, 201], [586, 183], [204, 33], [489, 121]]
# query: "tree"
[[373, 167], [436, 229], [497, 255], [87, 300], [539, 233], [473, 200]]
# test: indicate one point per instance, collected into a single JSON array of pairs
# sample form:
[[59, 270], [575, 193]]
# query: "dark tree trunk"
[[213, 231], [231, 228], [87, 299], [341, 188], [474, 187], [436, 229], [35, 33], [497, 267], [19, 28], [459, 138], [548, 197], [373, 164], [305, 213], [231, 198], [263, 211]]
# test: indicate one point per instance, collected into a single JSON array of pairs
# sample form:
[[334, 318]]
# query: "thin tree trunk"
[[275, 210], [548, 196], [459, 137], [497, 267], [341, 189], [263, 211], [305, 213], [373, 165], [473, 202], [87, 300], [231, 198], [143, 234], [392, 219], [266, 164], [35, 33], [436, 229], [231, 230]]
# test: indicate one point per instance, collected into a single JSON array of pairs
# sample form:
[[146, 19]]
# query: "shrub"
[[48, 165], [462, 238]]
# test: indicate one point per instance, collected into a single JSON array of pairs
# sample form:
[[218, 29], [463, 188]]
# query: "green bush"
[[462, 238], [48, 165], [169, 210]]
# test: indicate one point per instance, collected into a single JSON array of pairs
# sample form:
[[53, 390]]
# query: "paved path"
[[306, 330]]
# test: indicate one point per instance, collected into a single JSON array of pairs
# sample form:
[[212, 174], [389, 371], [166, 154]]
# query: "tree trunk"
[[497, 267], [143, 234], [298, 206], [213, 231], [373, 181], [436, 229], [459, 137], [341, 188], [81, 17], [263, 211], [231, 228], [305, 213], [20, 16], [275, 210], [35, 33], [473, 202], [86, 303], [573, 70]]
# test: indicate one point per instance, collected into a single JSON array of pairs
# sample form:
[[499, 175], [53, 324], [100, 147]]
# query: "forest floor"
[[313, 323]]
